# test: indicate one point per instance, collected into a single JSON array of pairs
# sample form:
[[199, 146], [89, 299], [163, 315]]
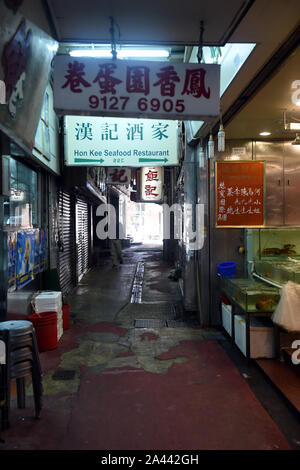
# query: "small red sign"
[[118, 175], [239, 188]]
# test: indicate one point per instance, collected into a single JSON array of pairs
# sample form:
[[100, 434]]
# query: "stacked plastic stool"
[[22, 360]]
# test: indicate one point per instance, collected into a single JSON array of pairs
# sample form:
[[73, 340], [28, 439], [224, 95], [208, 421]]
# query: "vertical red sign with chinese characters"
[[239, 193], [152, 184]]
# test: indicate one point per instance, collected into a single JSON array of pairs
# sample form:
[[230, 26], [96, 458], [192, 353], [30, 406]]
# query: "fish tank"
[[280, 272], [251, 295], [276, 244]]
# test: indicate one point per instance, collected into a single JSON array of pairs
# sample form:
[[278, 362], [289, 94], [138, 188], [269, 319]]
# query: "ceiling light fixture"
[[265, 133], [221, 136], [122, 54], [221, 139], [294, 126], [211, 146]]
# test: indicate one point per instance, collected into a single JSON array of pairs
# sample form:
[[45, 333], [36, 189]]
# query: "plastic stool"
[[22, 360]]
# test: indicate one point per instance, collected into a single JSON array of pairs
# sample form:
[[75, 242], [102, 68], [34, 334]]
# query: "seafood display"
[[288, 249], [252, 295], [266, 305], [280, 272]]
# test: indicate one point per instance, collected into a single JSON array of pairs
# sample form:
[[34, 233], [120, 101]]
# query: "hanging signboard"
[[152, 180], [98, 141], [118, 175], [26, 53], [239, 193], [158, 90]]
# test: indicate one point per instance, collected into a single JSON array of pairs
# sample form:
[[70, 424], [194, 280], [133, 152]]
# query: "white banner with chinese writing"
[[152, 180], [158, 90], [99, 141]]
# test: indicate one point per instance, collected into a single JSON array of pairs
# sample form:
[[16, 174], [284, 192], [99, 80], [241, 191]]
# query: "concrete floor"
[[142, 376]]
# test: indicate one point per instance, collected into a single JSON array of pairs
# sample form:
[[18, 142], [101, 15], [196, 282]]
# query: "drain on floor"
[[182, 324], [149, 323], [64, 375], [136, 293], [176, 324]]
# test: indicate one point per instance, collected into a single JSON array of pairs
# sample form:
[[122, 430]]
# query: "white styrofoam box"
[[227, 318], [59, 332], [261, 337], [59, 323], [50, 301]]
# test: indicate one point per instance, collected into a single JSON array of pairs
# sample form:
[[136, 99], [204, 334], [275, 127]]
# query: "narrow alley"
[[132, 372], [149, 228]]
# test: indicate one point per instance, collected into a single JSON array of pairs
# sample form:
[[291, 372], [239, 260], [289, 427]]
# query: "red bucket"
[[66, 316], [45, 325], [225, 300]]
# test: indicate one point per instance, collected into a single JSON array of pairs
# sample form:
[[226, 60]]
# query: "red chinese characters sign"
[[118, 176], [135, 88], [239, 193]]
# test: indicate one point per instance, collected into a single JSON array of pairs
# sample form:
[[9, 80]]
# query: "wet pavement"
[[136, 372]]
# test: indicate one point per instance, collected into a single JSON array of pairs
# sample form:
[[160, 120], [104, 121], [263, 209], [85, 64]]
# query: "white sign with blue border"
[[104, 141]]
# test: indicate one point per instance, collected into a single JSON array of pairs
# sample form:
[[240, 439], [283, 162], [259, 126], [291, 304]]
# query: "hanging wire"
[[200, 48], [221, 115], [112, 37]]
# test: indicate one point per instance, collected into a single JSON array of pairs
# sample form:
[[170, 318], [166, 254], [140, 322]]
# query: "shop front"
[[29, 215], [29, 159], [26, 234], [257, 230]]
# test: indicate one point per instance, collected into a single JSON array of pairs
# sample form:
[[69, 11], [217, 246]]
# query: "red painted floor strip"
[[203, 403]]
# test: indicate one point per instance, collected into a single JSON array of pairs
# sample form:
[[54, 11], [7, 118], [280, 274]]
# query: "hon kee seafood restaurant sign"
[[159, 90], [105, 141]]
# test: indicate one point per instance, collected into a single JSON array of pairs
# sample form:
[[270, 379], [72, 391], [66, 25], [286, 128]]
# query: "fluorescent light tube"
[[123, 53]]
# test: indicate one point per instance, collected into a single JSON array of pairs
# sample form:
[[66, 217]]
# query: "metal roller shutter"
[[66, 258], [82, 237]]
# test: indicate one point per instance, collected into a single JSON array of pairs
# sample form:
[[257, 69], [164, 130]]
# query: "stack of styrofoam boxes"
[[50, 301], [261, 337], [261, 333], [226, 318]]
